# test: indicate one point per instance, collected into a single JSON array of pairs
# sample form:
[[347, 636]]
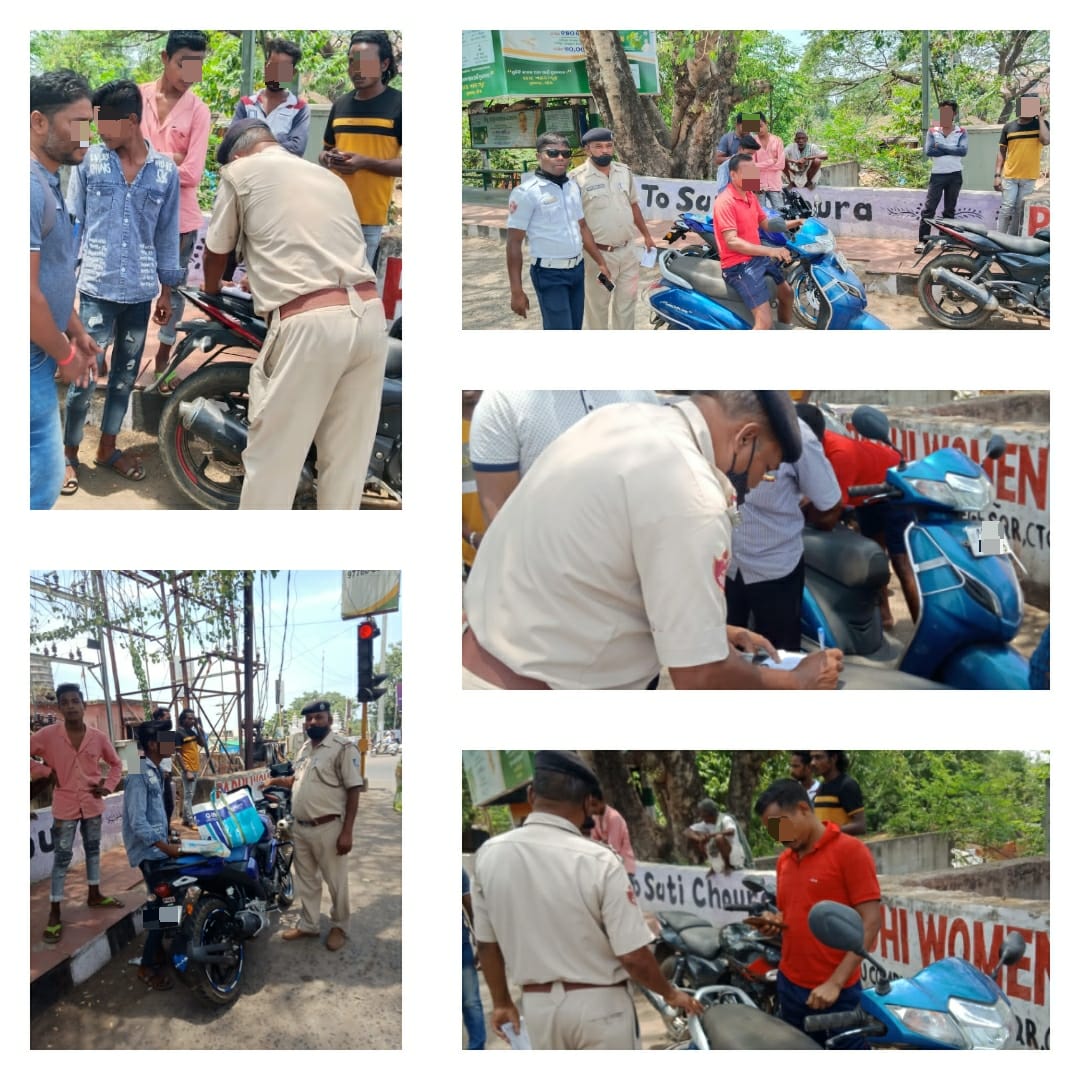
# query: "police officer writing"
[[546, 207], [553, 911], [325, 794], [610, 201]]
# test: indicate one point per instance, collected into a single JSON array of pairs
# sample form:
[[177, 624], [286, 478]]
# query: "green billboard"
[[493, 773], [544, 63]]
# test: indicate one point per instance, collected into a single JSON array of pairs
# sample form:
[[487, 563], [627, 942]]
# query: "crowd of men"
[[551, 914], [605, 535], [326, 786], [308, 234]]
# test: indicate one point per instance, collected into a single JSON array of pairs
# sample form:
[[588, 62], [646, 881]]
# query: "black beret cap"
[[563, 761], [784, 421], [236, 129], [597, 135], [315, 707]]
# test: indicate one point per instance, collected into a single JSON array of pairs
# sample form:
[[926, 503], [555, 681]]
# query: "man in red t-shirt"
[[856, 462], [737, 216], [820, 863]]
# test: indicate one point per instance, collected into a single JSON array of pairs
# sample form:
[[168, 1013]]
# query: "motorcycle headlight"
[[987, 1027], [931, 1024], [959, 492], [822, 245]]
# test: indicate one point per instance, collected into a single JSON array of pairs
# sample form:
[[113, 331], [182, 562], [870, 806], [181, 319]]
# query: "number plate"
[[169, 915], [999, 545]]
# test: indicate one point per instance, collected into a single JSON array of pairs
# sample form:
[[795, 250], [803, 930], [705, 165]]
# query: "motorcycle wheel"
[[202, 472], [807, 303], [945, 305], [287, 889], [219, 983]]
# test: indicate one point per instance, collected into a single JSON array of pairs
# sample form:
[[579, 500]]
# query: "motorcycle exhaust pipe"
[[212, 954], [976, 292], [210, 421]]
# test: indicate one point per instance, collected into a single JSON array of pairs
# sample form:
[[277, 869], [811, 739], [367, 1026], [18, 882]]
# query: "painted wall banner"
[[491, 773], [875, 212], [41, 845], [367, 592], [492, 130], [513, 63], [663, 887], [234, 781]]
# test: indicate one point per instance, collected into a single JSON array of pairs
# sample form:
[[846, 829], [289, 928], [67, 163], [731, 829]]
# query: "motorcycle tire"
[[286, 887], [667, 969], [198, 470], [944, 305], [217, 984], [807, 303]]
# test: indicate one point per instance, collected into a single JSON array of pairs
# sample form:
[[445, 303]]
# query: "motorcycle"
[[692, 293], [949, 1005], [971, 605], [202, 422], [980, 271], [212, 905]]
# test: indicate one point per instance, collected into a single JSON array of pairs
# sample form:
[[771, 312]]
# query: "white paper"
[[517, 1042], [788, 660], [648, 257]]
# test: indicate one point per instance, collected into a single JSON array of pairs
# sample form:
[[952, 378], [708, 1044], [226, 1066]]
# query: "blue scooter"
[[692, 294], [971, 605]]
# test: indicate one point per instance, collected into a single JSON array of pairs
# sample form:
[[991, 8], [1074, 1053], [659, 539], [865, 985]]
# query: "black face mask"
[[603, 160], [317, 732], [588, 824], [560, 180], [740, 480]]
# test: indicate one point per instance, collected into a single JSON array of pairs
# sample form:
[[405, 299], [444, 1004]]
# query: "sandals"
[[155, 980], [53, 933], [132, 472], [71, 483], [105, 901]]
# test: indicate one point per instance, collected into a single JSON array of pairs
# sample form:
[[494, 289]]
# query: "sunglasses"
[[560, 153]]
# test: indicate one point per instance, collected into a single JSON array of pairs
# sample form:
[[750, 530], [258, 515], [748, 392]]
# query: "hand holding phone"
[[606, 281]]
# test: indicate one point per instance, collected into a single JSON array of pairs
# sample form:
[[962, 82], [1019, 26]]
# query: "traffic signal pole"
[[368, 689]]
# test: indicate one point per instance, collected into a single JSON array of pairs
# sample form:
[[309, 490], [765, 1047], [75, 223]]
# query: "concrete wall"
[[898, 854], [1018, 879], [838, 174]]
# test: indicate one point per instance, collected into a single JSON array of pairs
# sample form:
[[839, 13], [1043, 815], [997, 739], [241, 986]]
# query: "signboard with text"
[[369, 592], [492, 773]]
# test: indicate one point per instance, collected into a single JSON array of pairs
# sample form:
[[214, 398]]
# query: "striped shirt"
[[768, 543]]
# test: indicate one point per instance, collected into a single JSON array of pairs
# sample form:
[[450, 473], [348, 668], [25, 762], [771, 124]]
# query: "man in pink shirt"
[[609, 827], [72, 753], [175, 122], [770, 160]]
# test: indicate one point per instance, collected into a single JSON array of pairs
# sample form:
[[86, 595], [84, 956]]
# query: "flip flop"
[[105, 901], [133, 472], [71, 484], [53, 933], [155, 980]]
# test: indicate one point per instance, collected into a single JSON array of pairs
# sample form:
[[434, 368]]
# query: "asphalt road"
[[297, 995], [485, 297]]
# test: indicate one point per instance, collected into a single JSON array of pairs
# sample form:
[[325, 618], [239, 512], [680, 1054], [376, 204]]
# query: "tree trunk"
[[678, 786], [704, 95], [613, 768], [742, 789]]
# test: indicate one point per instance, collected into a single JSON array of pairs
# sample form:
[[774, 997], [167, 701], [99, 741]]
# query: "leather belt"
[[544, 988], [558, 264], [332, 297], [613, 247], [481, 663], [319, 820]]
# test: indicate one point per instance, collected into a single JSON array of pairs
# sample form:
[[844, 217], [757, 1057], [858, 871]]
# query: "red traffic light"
[[367, 630]]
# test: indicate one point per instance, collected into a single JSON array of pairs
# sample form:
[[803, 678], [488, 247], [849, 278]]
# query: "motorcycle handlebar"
[[829, 1021], [860, 490]]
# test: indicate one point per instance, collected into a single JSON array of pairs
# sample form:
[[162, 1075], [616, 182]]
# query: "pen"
[[821, 638]]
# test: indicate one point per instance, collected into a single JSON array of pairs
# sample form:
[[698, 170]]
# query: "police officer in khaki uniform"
[[554, 913], [610, 202], [325, 792]]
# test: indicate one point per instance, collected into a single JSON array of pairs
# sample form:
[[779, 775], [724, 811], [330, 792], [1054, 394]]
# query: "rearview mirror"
[[1012, 948], [995, 448], [872, 423], [776, 224], [837, 926], [753, 884]]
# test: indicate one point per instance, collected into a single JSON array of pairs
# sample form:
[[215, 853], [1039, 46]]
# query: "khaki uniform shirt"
[[324, 773], [608, 201], [559, 906], [609, 558], [295, 223]]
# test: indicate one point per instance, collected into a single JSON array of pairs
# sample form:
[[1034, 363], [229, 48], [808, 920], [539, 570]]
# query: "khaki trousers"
[[317, 380], [600, 1019], [315, 856], [625, 268]]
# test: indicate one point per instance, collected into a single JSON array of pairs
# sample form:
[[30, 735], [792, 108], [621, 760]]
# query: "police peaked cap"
[[597, 135], [563, 761], [315, 707], [784, 421]]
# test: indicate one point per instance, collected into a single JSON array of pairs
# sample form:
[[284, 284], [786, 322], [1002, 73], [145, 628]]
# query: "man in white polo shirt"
[[610, 559], [511, 428]]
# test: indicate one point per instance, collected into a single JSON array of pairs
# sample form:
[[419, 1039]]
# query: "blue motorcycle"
[[692, 294], [970, 602]]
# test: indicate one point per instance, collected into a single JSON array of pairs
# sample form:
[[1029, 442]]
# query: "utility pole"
[[249, 670], [99, 577], [925, 81]]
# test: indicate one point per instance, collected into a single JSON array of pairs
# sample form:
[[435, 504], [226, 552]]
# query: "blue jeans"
[[101, 318], [561, 294], [794, 1011], [372, 236], [1011, 215], [46, 442], [167, 334], [189, 797], [471, 1009], [63, 837]]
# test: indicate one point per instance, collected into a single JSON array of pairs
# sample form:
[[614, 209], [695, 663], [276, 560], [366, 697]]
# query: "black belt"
[[319, 820]]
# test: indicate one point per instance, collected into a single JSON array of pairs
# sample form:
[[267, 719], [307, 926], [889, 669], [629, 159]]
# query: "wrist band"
[[70, 357]]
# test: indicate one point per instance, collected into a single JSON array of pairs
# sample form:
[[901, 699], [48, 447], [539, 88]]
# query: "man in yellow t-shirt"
[[190, 737]]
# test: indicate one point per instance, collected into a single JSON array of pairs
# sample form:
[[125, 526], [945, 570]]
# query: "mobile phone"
[[606, 282]]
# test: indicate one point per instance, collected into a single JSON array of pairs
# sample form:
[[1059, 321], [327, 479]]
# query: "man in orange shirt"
[[820, 863]]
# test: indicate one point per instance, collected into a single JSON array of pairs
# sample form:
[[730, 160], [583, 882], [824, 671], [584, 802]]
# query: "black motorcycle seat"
[[681, 920], [703, 941], [847, 557], [740, 1027], [393, 358], [1022, 245], [976, 227], [706, 277]]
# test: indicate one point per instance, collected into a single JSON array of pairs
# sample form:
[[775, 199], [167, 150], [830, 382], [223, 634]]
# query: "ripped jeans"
[[105, 321]]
